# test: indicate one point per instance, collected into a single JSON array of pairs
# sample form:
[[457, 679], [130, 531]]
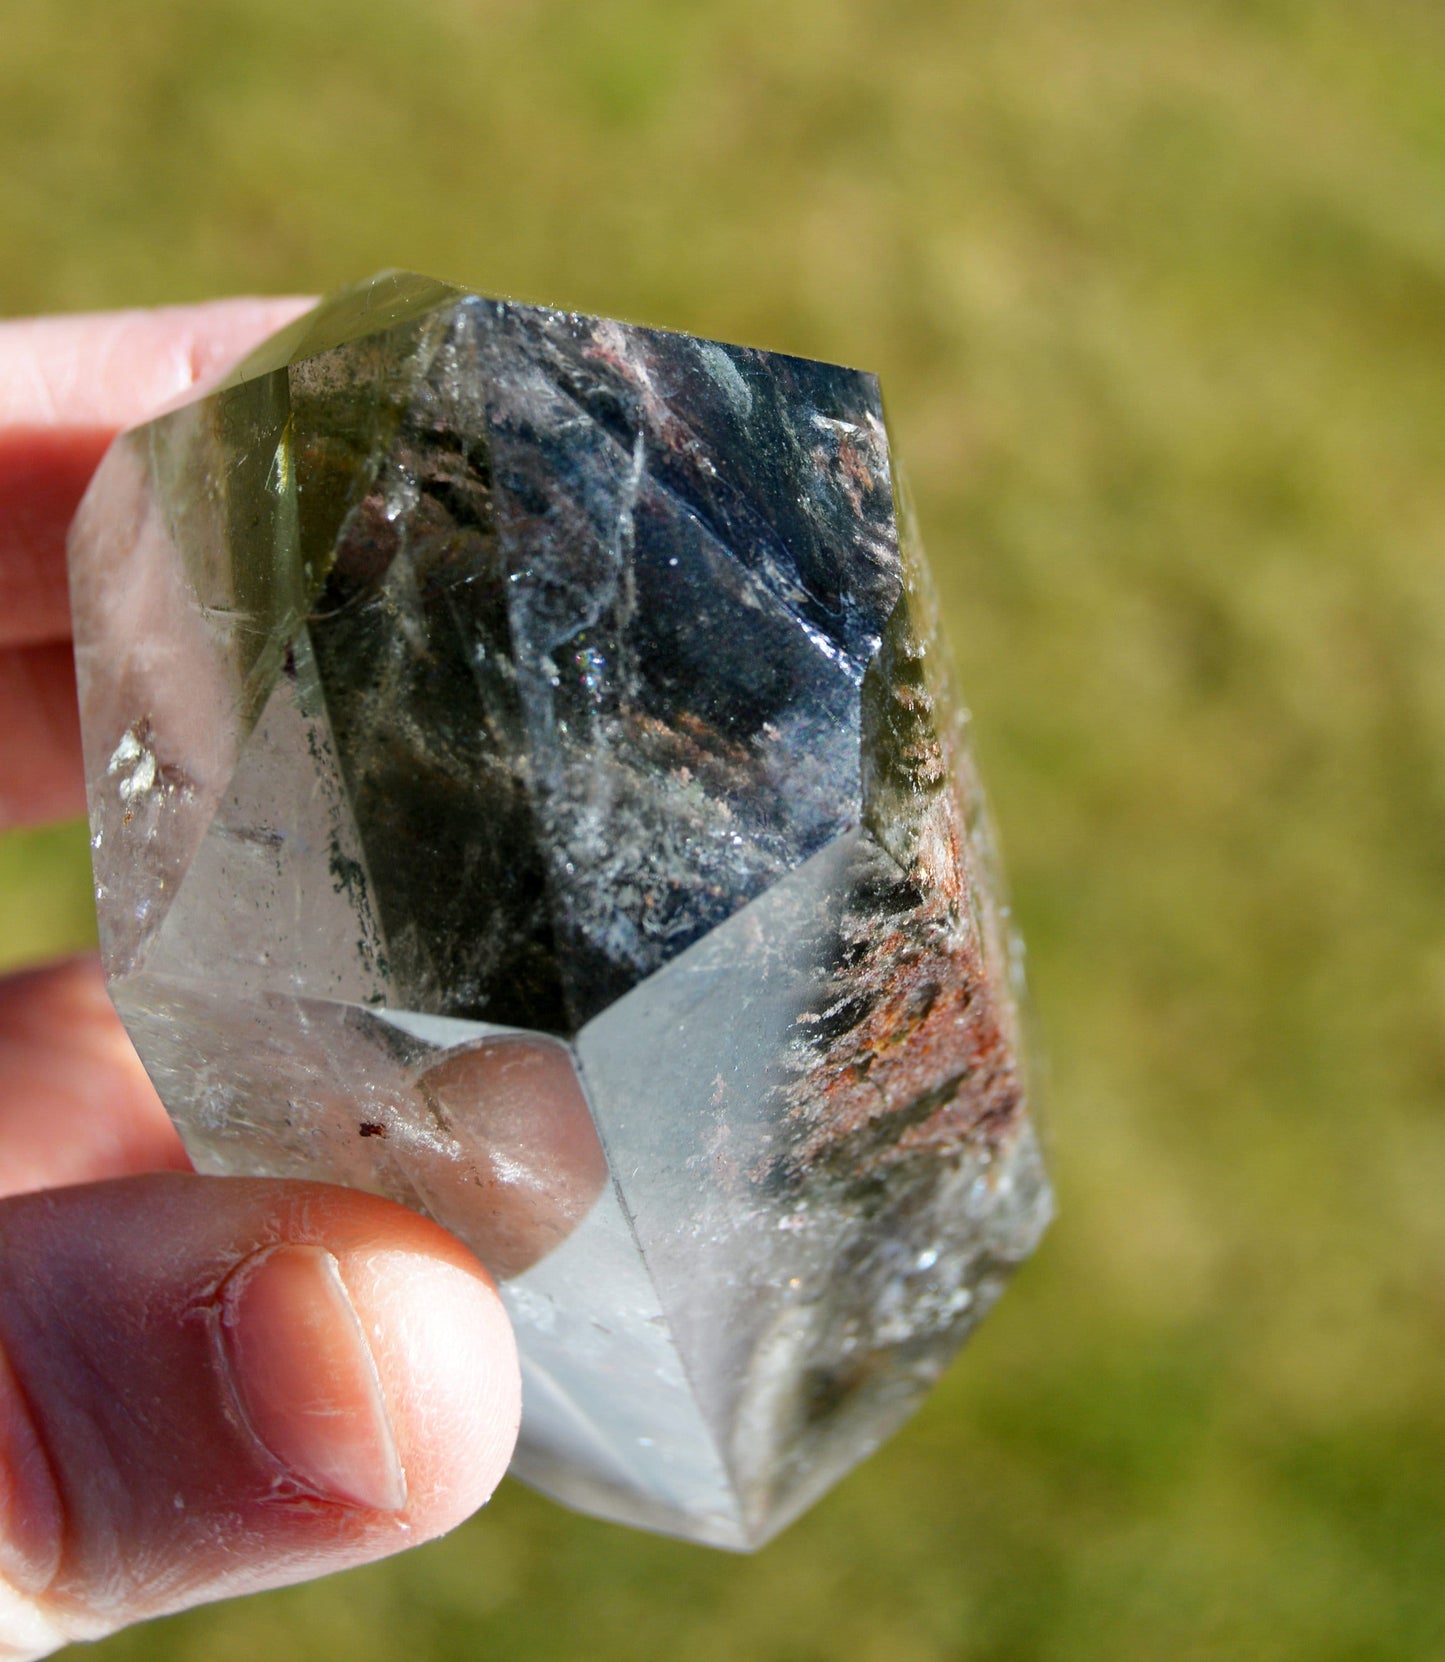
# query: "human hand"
[[208, 1386]]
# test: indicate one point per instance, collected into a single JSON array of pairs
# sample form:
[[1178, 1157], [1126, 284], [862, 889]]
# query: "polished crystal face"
[[523, 783]]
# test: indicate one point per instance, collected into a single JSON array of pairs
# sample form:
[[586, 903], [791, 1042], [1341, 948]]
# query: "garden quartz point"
[[523, 783]]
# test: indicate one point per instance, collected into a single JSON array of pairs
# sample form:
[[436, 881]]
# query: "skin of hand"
[[208, 1386]]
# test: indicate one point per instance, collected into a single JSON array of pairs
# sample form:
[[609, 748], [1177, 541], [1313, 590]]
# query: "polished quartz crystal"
[[523, 782]]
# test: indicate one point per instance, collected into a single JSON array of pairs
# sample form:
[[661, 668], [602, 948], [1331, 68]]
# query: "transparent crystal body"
[[523, 783]]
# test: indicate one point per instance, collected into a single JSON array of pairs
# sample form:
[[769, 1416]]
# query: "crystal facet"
[[523, 783]]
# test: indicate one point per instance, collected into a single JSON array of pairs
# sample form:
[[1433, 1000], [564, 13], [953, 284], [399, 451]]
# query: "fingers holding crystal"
[[204, 1388], [207, 1387], [211, 1386]]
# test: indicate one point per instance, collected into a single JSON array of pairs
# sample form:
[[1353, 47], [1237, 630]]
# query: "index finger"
[[67, 386]]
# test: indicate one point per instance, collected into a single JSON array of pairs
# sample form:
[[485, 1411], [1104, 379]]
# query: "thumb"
[[214, 1385]]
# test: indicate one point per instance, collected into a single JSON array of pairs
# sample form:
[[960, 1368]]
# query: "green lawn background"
[[1157, 291]]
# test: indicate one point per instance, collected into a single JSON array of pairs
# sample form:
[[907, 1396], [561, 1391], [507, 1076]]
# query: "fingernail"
[[306, 1379]]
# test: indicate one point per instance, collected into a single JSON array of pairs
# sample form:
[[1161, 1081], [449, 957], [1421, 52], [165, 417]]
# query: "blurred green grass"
[[1157, 290]]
